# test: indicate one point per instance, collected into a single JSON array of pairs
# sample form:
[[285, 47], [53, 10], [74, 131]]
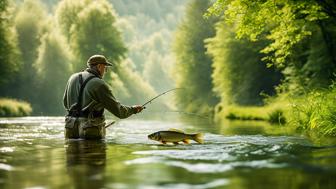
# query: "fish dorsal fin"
[[176, 130]]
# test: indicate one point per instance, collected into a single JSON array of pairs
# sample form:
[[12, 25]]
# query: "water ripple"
[[211, 184], [6, 167], [207, 167]]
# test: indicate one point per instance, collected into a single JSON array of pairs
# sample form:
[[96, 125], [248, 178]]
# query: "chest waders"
[[77, 122]]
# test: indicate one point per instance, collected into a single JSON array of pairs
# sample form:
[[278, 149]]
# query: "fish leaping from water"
[[175, 136]]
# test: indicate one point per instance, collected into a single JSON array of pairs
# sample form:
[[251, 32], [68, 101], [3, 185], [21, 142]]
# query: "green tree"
[[285, 22], [52, 72], [66, 13], [29, 28], [301, 34], [193, 67], [311, 66], [9, 54], [91, 30], [239, 75]]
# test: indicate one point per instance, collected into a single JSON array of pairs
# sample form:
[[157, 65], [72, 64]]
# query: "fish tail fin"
[[198, 138]]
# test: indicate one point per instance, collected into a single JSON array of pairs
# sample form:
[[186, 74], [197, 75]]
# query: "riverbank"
[[14, 108], [314, 112], [276, 112]]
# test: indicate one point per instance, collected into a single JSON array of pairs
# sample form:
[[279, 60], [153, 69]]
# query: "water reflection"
[[86, 162], [235, 155]]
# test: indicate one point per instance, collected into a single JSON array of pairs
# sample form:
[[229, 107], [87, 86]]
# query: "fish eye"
[[151, 136]]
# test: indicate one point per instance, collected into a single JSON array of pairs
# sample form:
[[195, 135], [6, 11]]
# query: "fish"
[[175, 136]]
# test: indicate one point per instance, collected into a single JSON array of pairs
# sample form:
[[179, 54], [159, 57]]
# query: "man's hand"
[[137, 108]]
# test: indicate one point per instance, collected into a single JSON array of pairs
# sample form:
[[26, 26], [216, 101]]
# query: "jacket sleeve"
[[103, 95]]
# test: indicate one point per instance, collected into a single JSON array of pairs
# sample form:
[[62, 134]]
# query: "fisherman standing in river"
[[85, 98]]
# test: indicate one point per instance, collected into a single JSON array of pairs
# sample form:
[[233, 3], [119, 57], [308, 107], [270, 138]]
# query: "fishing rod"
[[149, 101]]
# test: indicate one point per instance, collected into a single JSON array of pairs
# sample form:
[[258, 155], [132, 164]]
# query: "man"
[[85, 98]]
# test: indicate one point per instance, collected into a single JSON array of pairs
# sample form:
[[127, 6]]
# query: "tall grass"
[[14, 108], [316, 112]]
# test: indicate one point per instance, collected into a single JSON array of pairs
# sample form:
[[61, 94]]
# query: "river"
[[34, 155]]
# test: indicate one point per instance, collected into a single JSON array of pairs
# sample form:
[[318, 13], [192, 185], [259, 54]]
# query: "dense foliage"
[[239, 76], [294, 28], [300, 41], [285, 22], [29, 29], [193, 67], [9, 61], [90, 29], [52, 73]]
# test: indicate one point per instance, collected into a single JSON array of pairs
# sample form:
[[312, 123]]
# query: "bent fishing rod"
[[150, 101]]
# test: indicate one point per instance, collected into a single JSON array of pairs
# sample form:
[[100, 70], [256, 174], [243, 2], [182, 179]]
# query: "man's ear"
[[99, 66]]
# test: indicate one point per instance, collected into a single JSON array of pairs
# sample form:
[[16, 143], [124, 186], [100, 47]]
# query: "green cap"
[[98, 59]]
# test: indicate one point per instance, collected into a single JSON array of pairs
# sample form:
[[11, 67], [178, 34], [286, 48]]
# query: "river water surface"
[[34, 155]]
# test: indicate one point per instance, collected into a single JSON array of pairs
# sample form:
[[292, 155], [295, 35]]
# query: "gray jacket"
[[97, 95]]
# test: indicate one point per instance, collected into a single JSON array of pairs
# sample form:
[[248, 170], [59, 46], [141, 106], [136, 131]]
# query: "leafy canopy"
[[284, 22]]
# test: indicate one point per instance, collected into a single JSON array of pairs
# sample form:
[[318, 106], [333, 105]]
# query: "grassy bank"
[[14, 108], [275, 112], [314, 112]]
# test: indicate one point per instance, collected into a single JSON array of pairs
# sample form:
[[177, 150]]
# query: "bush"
[[11, 108], [277, 116]]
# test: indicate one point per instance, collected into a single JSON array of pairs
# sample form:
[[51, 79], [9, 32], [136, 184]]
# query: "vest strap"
[[76, 109]]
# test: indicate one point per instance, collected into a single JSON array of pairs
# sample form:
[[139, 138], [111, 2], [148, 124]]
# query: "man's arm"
[[103, 95]]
